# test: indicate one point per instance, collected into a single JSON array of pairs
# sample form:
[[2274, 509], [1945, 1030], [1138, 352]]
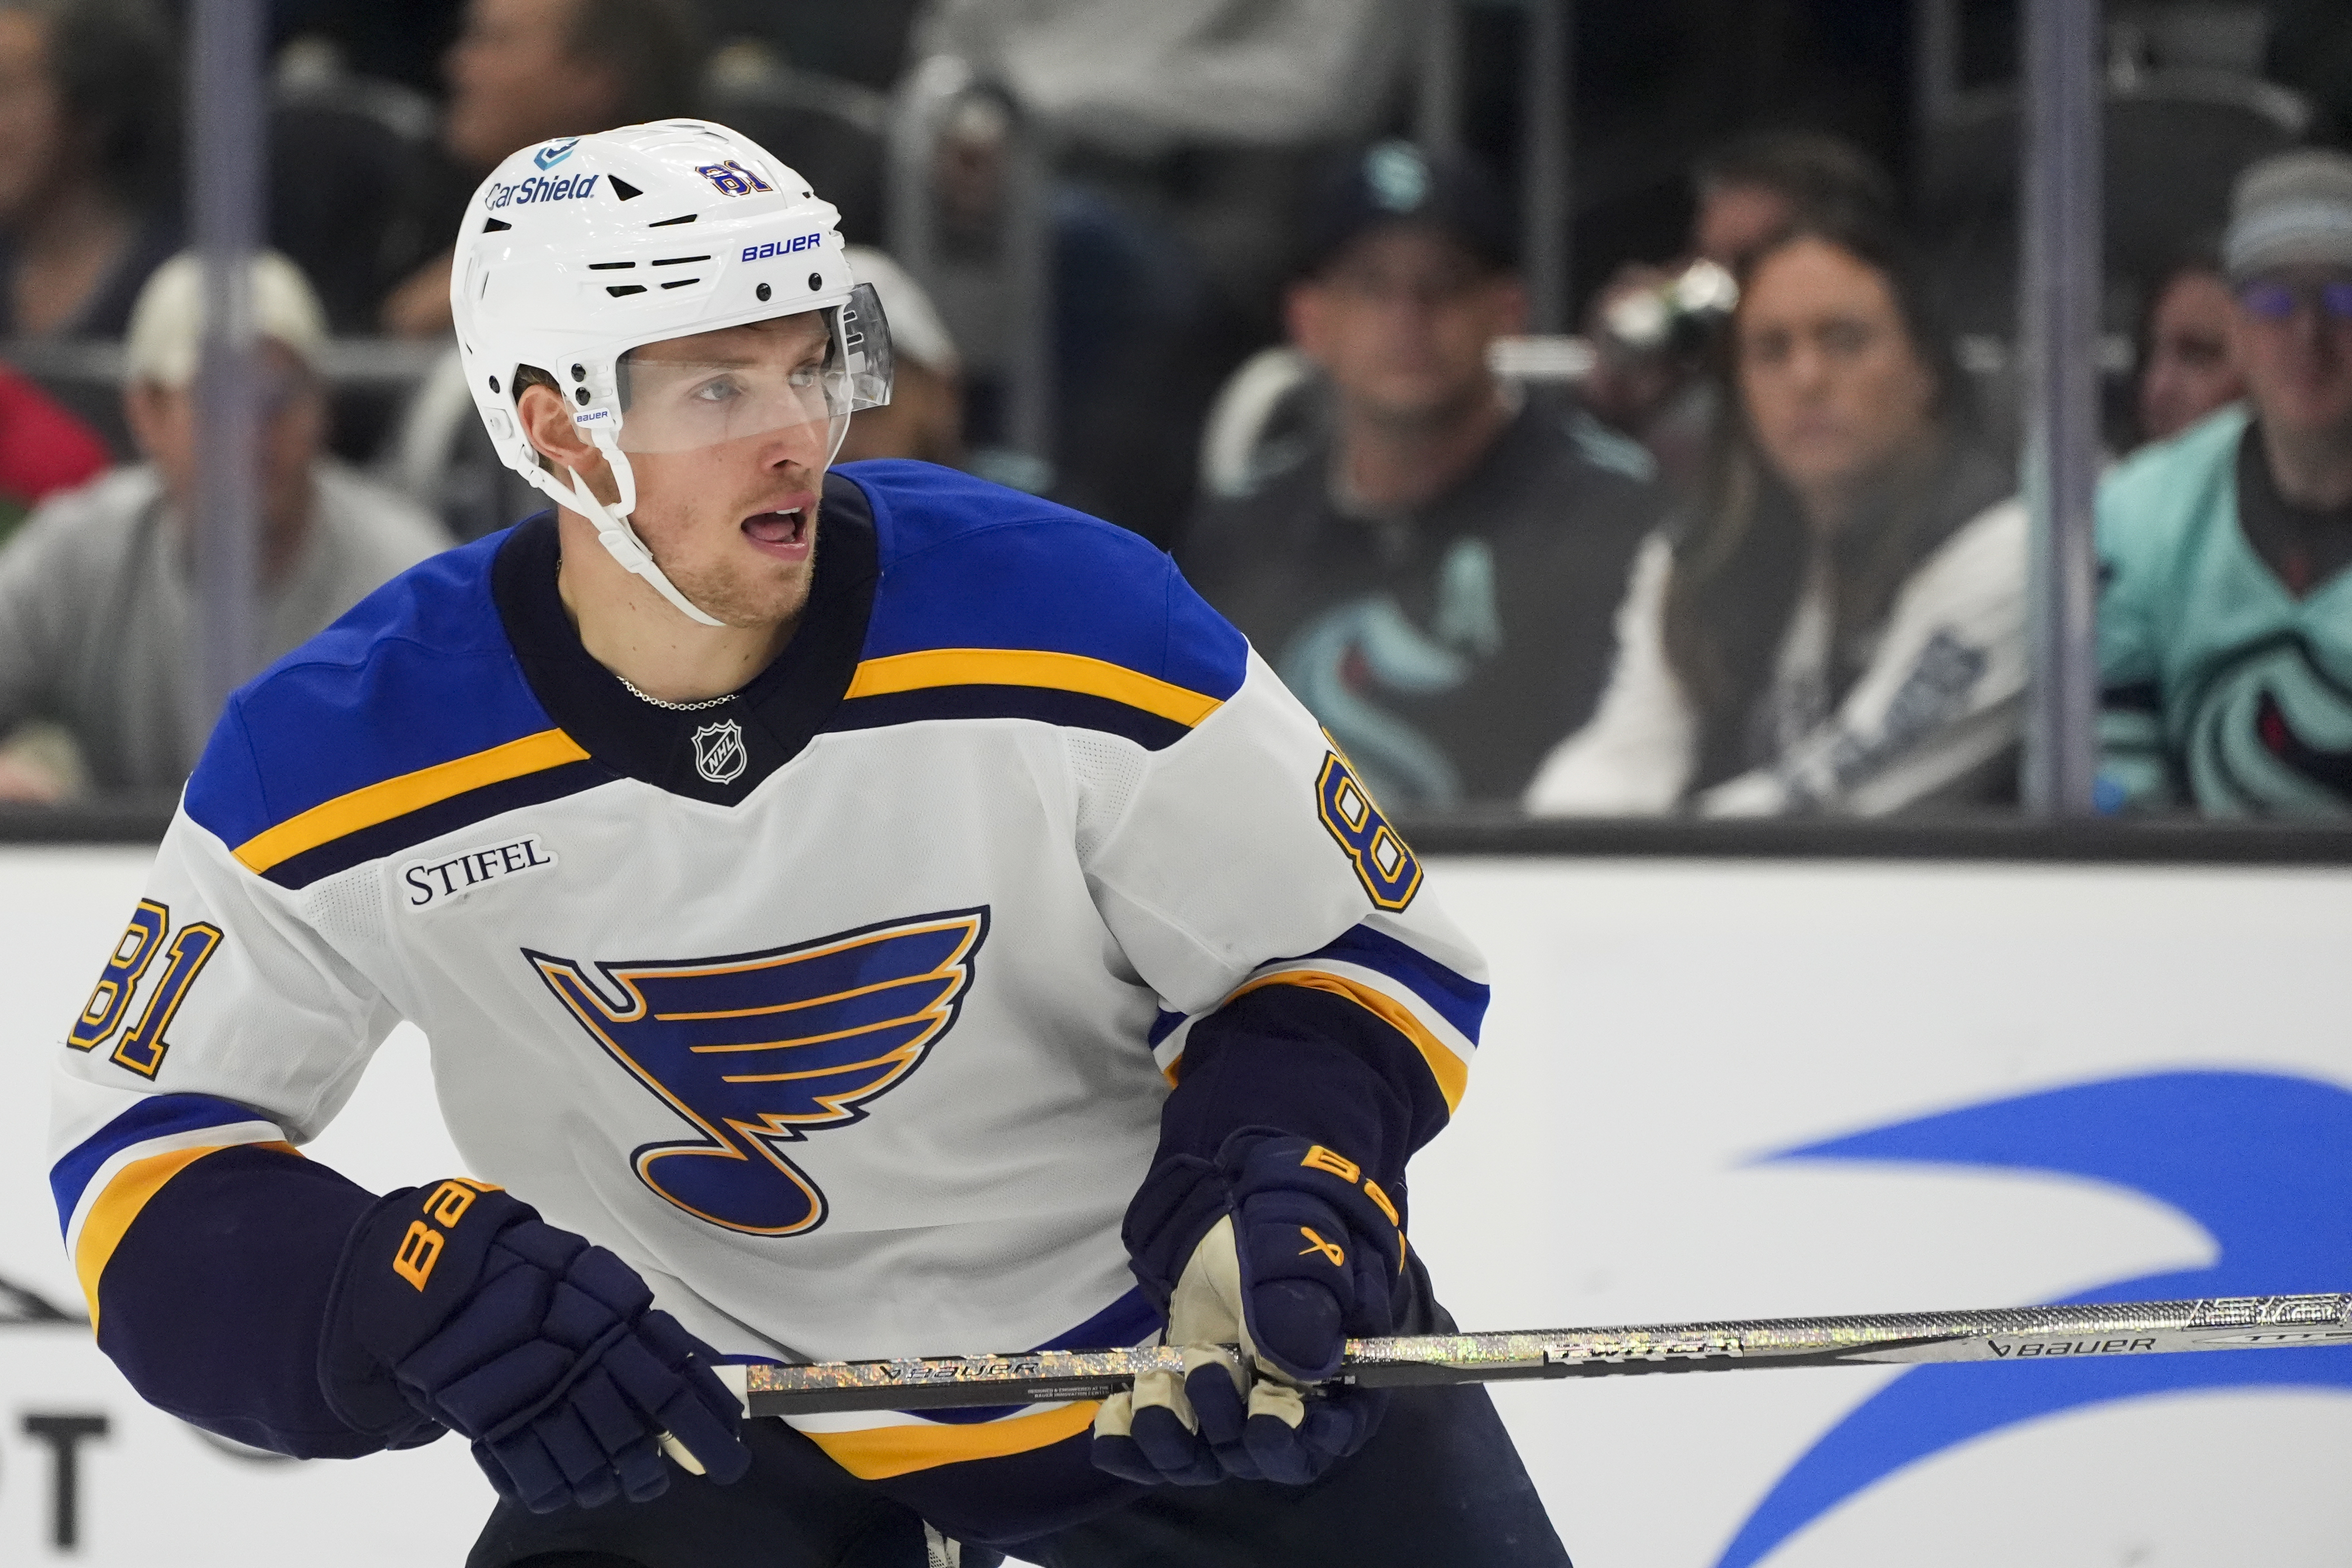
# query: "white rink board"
[[1658, 1027]]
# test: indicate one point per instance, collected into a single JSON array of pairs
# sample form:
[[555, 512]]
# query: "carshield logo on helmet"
[[571, 188], [555, 152]]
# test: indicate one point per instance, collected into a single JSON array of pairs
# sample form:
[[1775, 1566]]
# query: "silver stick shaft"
[[2008, 1334]]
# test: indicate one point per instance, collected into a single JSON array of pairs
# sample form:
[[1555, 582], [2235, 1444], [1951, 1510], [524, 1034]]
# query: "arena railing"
[[392, 364], [135, 820]]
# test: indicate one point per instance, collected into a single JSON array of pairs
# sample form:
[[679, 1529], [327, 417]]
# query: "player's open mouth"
[[782, 533]]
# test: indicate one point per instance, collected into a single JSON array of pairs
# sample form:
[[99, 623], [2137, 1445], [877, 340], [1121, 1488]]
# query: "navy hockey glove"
[[1300, 1252], [458, 1303]]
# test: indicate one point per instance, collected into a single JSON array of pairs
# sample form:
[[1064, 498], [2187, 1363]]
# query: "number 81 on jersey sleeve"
[[142, 1049]]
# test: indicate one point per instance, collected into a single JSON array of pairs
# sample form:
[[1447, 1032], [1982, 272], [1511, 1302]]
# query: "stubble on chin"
[[749, 595]]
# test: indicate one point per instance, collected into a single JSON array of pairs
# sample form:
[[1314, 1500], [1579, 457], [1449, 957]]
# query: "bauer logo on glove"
[[420, 1245], [546, 1351]]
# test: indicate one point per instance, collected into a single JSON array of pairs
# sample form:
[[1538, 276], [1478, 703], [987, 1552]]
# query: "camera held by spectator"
[[1656, 328]]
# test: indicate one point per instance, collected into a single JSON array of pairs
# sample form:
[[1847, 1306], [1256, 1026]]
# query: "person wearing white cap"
[[2225, 615], [924, 418], [97, 590]]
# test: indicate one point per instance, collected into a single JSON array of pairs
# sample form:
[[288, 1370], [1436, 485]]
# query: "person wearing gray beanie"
[[2225, 618], [2293, 209]]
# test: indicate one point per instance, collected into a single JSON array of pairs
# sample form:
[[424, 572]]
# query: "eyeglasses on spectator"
[[2267, 299]]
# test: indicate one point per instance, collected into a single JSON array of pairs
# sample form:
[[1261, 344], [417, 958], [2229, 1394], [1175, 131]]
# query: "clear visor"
[[804, 373]]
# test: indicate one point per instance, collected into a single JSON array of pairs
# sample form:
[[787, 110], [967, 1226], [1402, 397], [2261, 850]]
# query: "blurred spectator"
[[1121, 306], [1185, 135], [43, 449], [1754, 191], [924, 418], [1434, 579], [2186, 372], [401, 45], [529, 71], [88, 110], [832, 133], [96, 590], [1145, 79], [1655, 328], [2225, 620], [1840, 626], [357, 234], [861, 41]]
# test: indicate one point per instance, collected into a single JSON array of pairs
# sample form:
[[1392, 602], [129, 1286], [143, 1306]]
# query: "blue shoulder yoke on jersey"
[[411, 716], [996, 604], [406, 718]]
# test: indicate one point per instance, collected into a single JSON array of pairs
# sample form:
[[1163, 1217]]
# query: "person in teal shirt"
[[2225, 609]]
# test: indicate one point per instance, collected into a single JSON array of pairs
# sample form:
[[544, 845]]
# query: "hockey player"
[[868, 913]]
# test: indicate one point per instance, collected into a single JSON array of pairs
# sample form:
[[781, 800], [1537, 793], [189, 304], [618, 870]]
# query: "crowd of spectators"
[[1764, 555]]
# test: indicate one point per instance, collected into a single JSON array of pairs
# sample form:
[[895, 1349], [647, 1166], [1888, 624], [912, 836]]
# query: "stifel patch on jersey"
[[756, 1050], [439, 879]]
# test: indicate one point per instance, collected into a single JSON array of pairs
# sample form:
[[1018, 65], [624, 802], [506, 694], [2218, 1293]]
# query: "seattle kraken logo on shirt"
[[718, 751], [755, 1052]]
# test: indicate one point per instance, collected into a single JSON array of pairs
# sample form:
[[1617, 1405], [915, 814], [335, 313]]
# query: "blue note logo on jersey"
[[757, 1051]]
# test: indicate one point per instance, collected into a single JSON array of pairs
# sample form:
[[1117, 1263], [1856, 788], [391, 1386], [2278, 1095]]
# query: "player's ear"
[[547, 420]]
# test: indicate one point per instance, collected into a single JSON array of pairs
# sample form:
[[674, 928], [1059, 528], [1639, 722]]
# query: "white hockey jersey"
[[845, 1010]]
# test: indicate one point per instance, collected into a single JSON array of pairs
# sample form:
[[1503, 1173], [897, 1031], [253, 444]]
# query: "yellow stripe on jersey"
[[879, 1451], [347, 814], [1030, 667], [1452, 1073], [111, 1217]]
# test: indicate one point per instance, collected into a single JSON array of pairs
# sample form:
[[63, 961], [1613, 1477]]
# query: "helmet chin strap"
[[612, 530]]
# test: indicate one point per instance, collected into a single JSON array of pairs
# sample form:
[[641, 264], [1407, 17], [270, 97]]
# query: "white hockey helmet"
[[576, 252]]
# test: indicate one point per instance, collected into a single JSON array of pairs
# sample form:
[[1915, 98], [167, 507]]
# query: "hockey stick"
[[2008, 1334]]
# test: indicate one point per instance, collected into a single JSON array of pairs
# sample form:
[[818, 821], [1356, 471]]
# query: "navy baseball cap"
[[1397, 182]]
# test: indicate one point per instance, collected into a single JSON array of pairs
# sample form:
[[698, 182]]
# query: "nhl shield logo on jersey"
[[757, 1051], [719, 753]]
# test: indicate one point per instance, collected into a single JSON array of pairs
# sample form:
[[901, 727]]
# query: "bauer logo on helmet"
[[783, 246]]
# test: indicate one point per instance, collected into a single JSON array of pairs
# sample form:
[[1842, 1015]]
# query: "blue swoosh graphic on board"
[[2257, 1159]]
